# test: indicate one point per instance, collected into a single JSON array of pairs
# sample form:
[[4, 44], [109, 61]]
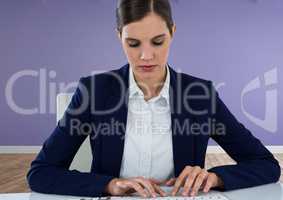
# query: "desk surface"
[[265, 192]]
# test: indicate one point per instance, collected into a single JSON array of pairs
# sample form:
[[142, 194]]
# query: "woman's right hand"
[[144, 187]]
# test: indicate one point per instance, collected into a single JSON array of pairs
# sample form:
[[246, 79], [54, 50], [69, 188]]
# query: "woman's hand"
[[192, 179], [144, 187]]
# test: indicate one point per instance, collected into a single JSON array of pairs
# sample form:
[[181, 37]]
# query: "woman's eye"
[[134, 44], [157, 43]]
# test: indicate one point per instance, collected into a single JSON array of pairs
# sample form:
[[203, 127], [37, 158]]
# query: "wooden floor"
[[13, 169]]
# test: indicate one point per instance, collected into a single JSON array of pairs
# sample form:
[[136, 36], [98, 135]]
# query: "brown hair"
[[129, 11]]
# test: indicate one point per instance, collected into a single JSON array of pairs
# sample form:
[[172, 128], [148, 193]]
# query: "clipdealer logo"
[[48, 90], [270, 121]]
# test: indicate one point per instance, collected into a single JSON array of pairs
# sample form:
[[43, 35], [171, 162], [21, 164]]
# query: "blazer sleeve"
[[49, 172], [255, 165]]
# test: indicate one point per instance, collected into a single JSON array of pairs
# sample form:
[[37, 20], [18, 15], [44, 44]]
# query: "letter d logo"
[[270, 121]]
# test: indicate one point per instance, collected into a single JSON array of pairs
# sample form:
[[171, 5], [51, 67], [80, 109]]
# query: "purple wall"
[[230, 42]]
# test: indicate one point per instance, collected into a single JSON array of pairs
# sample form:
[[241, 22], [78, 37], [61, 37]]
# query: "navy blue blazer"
[[49, 173]]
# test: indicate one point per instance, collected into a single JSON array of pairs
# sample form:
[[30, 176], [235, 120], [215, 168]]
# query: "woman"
[[162, 115]]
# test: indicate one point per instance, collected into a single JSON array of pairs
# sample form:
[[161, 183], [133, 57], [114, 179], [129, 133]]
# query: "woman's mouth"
[[147, 68]]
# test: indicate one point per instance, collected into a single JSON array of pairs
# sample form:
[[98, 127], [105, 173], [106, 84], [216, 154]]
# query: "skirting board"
[[36, 149]]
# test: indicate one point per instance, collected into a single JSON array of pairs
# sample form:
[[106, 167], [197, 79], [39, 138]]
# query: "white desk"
[[265, 192]]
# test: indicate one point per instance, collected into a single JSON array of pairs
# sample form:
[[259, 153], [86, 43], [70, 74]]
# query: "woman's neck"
[[151, 87]]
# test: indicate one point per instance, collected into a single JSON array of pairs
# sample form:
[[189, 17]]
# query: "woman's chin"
[[146, 75]]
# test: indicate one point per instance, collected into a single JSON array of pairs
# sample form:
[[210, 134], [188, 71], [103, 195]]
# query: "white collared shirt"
[[148, 148]]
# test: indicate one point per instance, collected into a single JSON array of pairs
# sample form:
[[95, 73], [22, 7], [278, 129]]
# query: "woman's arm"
[[49, 172], [255, 164]]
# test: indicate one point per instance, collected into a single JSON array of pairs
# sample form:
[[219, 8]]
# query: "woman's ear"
[[119, 34], [173, 29]]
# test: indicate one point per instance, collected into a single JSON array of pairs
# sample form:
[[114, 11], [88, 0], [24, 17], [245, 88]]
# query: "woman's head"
[[129, 11], [145, 28]]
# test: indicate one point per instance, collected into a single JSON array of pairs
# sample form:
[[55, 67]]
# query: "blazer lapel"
[[183, 141], [113, 146]]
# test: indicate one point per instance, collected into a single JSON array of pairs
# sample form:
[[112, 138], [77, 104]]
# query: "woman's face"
[[146, 44]]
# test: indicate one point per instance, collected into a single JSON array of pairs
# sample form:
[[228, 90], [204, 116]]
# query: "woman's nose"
[[147, 54]]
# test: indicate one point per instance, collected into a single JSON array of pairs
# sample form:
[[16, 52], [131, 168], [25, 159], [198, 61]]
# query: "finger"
[[208, 184], [198, 182], [178, 183], [159, 190], [180, 180], [157, 182], [170, 182], [137, 187], [148, 185], [190, 180], [203, 183]]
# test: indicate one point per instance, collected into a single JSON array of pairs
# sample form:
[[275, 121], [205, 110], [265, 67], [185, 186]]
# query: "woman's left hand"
[[195, 178]]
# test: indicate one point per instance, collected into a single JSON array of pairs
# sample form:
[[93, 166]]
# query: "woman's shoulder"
[[177, 74], [106, 79], [188, 79], [195, 78]]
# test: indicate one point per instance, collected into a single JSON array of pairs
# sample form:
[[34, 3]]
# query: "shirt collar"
[[135, 90]]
